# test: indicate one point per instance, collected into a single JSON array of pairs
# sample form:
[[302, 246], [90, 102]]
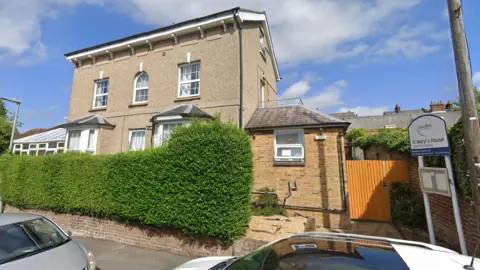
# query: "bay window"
[[289, 145], [82, 140], [164, 130]]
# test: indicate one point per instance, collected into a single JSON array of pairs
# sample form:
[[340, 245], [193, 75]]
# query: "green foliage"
[[392, 139], [267, 204], [200, 182], [406, 208]]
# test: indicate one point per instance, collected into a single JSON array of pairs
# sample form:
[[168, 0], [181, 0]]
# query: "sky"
[[337, 55]]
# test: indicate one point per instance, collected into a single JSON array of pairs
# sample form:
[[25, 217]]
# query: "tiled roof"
[[343, 115], [92, 119], [291, 116], [401, 120], [53, 135], [185, 111]]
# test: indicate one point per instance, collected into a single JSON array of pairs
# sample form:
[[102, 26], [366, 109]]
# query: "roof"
[[184, 111], [140, 38], [57, 134], [291, 116], [91, 120], [401, 120], [343, 115], [11, 218], [31, 132]]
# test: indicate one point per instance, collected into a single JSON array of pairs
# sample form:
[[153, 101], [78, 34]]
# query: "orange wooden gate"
[[369, 187]]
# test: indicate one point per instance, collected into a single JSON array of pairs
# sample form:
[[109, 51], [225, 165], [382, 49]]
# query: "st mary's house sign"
[[428, 136]]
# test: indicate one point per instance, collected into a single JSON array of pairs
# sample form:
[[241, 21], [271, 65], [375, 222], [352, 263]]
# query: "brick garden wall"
[[150, 237], [441, 206]]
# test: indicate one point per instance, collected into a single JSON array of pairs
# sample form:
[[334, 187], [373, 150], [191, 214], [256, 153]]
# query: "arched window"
[[140, 93]]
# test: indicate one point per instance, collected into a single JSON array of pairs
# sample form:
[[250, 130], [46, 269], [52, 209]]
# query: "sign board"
[[428, 136], [435, 180]]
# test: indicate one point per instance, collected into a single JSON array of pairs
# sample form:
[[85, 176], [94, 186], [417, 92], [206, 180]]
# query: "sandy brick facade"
[[219, 56], [318, 181]]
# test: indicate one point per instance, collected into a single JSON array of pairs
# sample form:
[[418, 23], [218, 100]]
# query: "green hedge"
[[200, 182], [406, 208]]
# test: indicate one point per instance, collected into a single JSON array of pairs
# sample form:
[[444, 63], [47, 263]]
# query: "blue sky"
[[359, 55]]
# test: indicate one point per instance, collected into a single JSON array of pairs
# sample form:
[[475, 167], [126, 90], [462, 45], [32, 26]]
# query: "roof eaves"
[[147, 33], [319, 125]]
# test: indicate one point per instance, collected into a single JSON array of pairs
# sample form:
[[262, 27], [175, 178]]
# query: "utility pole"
[[471, 127]]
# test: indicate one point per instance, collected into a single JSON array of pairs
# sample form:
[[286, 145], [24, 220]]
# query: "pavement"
[[115, 256]]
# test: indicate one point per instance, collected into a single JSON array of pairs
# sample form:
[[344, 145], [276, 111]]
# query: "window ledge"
[[180, 99], [278, 163], [98, 109], [138, 105]]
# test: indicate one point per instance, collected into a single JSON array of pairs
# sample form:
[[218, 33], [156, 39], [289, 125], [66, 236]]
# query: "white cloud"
[[412, 42], [328, 97], [303, 30], [365, 110], [476, 79], [445, 14]]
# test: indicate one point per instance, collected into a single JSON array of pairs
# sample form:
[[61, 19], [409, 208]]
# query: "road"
[[115, 256]]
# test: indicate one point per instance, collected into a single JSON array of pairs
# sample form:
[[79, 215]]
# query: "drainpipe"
[[240, 113], [342, 187]]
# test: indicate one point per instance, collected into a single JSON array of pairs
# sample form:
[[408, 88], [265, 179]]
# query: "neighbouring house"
[[393, 119], [136, 89], [299, 153]]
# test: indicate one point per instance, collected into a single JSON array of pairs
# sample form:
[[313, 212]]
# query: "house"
[[299, 153], [392, 119], [129, 93]]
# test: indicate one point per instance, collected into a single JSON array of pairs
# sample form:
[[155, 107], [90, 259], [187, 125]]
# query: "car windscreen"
[[27, 238], [310, 253]]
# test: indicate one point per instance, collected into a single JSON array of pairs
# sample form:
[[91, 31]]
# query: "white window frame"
[[130, 133], [188, 81], [158, 139], [135, 89], [35, 147], [84, 136], [301, 133], [100, 95]]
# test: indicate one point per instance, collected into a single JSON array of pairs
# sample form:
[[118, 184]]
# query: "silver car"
[[35, 242]]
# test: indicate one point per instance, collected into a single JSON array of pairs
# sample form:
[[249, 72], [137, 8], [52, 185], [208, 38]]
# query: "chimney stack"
[[437, 106], [397, 108]]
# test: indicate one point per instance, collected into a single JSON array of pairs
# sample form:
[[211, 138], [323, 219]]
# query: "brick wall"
[[150, 237], [443, 218], [318, 182]]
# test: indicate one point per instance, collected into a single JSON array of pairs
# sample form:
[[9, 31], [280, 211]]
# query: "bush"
[[267, 204], [406, 208], [200, 182]]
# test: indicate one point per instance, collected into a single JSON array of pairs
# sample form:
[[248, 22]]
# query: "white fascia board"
[[149, 37], [167, 118], [251, 16]]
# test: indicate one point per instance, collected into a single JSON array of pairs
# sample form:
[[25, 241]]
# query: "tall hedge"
[[200, 182]]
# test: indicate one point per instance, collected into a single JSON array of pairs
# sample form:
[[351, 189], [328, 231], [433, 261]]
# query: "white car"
[[319, 250]]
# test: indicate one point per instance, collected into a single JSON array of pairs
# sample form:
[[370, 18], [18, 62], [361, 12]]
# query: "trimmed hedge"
[[200, 182]]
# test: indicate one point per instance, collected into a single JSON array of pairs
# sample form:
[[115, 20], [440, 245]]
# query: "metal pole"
[[471, 128], [428, 213], [456, 209], [10, 147]]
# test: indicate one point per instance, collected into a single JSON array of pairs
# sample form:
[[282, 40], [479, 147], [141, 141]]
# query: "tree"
[[6, 119]]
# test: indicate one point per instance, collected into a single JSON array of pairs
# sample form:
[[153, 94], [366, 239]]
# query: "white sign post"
[[428, 137]]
